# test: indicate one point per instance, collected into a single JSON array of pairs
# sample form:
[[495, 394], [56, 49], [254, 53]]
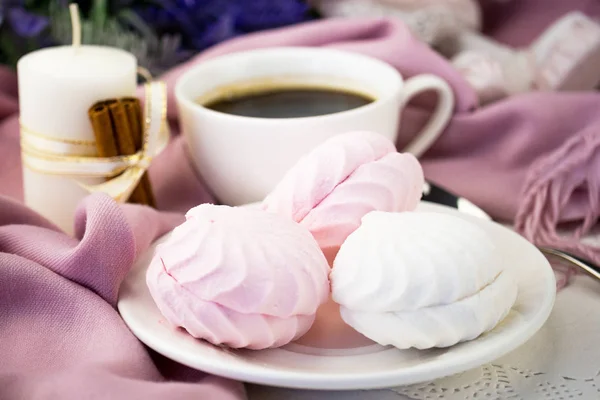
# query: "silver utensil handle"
[[567, 257]]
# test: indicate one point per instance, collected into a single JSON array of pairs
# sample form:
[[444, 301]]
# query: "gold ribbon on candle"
[[50, 155]]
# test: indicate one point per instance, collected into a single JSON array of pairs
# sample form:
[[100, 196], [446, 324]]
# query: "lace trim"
[[504, 382]]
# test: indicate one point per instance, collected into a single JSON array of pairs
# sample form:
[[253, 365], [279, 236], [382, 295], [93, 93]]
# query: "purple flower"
[[5, 5], [266, 14], [221, 28], [203, 23], [26, 24]]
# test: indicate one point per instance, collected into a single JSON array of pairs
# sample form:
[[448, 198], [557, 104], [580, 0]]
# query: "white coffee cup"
[[242, 159]]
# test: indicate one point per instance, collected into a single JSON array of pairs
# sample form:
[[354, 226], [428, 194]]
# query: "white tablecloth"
[[562, 361]]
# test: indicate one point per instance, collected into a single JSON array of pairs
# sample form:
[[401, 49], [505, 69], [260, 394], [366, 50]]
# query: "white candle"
[[57, 86]]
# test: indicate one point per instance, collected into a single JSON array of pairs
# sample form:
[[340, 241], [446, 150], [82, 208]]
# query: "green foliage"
[[124, 30], [101, 25]]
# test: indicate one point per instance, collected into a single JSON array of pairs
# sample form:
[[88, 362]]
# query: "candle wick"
[[75, 24]]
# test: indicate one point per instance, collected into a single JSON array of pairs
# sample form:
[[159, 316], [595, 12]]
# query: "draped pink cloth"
[[533, 158]]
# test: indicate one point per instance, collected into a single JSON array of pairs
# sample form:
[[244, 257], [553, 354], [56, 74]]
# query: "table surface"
[[561, 362]]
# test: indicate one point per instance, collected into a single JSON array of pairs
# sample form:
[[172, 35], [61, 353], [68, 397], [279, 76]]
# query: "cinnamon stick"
[[133, 110], [134, 115], [118, 131], [99, 115], [126, 145]]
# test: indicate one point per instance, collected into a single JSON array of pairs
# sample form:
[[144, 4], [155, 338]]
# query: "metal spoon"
[[587, 266], [436, 194]]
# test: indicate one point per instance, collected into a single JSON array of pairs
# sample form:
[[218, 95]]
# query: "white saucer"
[[368, 367]]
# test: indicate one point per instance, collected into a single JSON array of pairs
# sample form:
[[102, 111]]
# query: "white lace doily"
[[562, 361]]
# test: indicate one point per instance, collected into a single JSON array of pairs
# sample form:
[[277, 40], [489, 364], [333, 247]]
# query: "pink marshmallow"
[[330, 189], [239, 277]]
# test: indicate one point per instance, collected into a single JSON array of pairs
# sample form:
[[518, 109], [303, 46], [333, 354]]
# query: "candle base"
[[54, 197]]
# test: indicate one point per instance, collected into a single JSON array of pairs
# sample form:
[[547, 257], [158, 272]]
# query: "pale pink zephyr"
[[240, 277], [393, 183], [348, 176]]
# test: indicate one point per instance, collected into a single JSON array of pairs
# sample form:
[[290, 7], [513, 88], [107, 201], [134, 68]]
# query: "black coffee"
[[288, 102]]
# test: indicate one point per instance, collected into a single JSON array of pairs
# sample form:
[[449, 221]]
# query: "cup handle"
[[441, 116]]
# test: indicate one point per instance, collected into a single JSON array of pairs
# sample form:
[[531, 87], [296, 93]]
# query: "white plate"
[[367, 367]]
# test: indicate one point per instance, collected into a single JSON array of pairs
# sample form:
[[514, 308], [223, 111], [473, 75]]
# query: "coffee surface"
[[288, 102]]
